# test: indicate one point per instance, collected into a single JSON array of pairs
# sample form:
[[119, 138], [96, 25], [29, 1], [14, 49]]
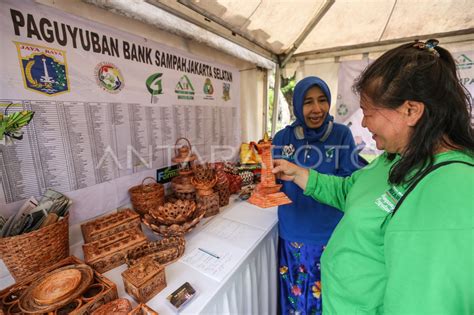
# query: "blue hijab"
[[299, 93]]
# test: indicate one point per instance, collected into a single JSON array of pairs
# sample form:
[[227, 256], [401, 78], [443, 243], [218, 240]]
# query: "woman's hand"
[[288, 171]]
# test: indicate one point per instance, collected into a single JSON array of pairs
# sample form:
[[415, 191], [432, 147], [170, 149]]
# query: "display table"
[[239, 276]]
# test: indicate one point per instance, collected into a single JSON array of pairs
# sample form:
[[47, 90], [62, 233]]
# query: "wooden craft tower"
[[267, 193]]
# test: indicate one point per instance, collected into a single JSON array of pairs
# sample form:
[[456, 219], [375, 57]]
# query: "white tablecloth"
[[249, 284]]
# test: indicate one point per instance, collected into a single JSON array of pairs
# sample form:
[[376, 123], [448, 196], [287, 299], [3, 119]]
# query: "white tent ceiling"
[[280, 29], [276, 25]]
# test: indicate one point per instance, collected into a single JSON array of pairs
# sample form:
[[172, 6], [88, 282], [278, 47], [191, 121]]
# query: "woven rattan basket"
[[147, 196], [26, 254]]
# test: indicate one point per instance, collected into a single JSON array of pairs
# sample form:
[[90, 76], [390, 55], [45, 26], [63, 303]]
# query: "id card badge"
[[182, 295]]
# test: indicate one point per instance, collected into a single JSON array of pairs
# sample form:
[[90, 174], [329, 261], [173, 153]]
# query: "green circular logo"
[[153, 84]]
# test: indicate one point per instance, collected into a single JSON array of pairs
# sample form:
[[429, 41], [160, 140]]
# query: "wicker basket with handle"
[[29, 253], [147, 196]]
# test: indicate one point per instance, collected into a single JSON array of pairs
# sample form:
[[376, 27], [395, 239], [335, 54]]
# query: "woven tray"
[[109, 225], [164, 251], [13, 294], [50, 292], [110, 252]]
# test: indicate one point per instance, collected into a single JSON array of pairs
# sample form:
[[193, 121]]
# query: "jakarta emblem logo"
[[44, 69], [109, 77]]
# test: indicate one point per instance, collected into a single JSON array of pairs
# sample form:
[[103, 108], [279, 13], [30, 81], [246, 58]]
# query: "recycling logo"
[[342, 110]]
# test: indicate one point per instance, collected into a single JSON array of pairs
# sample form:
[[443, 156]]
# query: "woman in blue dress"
[[315, 141]]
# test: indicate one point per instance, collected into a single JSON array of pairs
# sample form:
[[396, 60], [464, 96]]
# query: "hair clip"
[[429, 45]]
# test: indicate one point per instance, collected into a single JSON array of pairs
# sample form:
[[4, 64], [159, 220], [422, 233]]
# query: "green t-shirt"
[[419, 261]]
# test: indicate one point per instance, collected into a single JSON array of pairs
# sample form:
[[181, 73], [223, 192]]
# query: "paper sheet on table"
[[218, 248], [238, 234], [253, 216], [215, 267]]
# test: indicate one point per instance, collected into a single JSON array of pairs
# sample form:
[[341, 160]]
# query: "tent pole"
[[265, 101], [276, 91], [309, 27]]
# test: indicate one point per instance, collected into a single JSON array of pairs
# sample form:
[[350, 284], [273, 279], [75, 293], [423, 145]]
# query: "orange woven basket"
[[29, 253]]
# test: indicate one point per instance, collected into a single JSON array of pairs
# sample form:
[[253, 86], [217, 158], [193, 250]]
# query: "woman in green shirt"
[[405, 242]]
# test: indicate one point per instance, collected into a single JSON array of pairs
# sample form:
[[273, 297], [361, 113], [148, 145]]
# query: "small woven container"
[[222, 187], [148, 196], [29, 253], [224, 197], [208, 203]]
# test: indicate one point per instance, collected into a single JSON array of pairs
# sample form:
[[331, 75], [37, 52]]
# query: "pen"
[[208, 252]]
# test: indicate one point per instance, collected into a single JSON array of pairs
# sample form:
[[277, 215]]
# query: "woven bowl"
[[174, 212], [174, 229]]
